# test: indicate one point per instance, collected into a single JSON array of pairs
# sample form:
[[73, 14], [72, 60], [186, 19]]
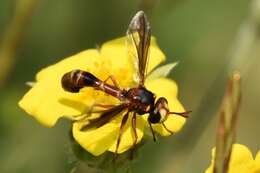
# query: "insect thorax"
[[141, 100]]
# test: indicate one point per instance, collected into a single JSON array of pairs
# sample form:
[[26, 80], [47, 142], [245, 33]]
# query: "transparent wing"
[[105, 117], [138, 43]]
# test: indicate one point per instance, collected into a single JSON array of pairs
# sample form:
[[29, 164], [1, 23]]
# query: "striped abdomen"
[[74, 80]]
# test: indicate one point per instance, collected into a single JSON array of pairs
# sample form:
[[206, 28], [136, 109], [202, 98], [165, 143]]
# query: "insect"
[[137, 100]]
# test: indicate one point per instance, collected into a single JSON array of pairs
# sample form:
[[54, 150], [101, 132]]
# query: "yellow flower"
[[47, 101], [241, 161]]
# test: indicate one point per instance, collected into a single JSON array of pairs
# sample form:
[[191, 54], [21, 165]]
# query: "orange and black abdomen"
[[74, 80]]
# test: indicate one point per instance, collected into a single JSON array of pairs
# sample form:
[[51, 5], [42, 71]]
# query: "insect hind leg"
[[113, 79]]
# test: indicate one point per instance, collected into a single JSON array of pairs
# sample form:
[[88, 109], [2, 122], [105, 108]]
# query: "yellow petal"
[[97, 141], [127, 139], [209, 169], [241, 160], [240, 154], [47, 101], [167, 88], [116, 51], [257, 162], [257, 158]]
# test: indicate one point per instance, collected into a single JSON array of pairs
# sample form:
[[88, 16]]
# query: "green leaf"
[[162, 71]]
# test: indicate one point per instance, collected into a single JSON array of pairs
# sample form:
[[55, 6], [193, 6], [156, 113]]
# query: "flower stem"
[[226, 130], [13, 34]]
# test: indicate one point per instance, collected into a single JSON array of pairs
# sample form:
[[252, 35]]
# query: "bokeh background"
[[208, 38]]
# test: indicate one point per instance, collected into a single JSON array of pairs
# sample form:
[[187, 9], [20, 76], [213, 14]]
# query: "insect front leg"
[[151, 128], [168, 130]]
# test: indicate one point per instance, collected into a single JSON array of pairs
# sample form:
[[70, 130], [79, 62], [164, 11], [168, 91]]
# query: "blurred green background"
[[209, 39]]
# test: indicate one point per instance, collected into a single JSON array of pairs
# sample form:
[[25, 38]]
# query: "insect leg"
[[154, 138], [123, 122], [134, 129], [168, 130], [113, 79], [135, 136]]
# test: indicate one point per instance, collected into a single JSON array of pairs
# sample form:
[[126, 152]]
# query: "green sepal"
[[162, 71]]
